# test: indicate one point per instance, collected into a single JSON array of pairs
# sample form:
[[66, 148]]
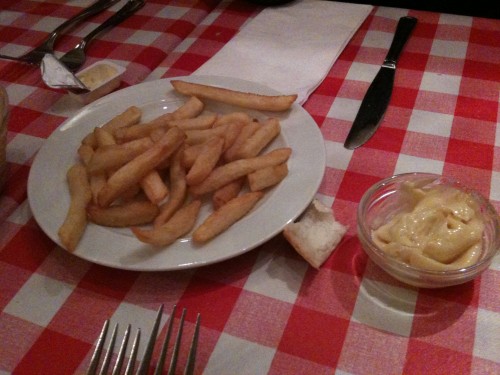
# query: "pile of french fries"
[[152, 176]]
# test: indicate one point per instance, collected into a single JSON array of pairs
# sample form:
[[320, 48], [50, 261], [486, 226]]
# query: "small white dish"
[[100, 78]]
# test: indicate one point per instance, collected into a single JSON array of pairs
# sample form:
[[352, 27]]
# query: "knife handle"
[[403, 32]]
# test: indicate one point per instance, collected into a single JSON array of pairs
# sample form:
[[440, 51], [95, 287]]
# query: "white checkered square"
[[488, 329], [17, 93], [450, 49], [385, 307], [276, 277], [495, 186], [185, 44], [408, 163], [430, 123], [172, 12], [444, 83], [47, 24], [39, 299], [454, 19], [22, 148], [378, 39], [143, 38], [138, 318], [246, 357], [391, 12], [8, 17], [337, 156], [362, 72], [344, 109], [22, 214]]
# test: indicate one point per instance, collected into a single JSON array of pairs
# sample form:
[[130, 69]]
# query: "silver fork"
[[146, 360], [75, 57], [36, 55]]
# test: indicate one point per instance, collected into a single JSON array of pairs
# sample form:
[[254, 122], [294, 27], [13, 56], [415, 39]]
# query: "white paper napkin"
[[290, 48]]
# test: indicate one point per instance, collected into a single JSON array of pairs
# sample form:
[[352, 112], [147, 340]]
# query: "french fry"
[[97, 182], [226, 173], [85, 153], [124, 215], [246, 131], [266, 177], [191, 108], [178, 190], [205, 121], [232, 117], [190, 154], [199, 136], [237, 98], [258, 140], [227, 192], [153, 186], [225, 216], [103, 137], [114, 156], [206, 161], [130, 116], [71, 231], [133, 172], [232, 131], [179, 225]]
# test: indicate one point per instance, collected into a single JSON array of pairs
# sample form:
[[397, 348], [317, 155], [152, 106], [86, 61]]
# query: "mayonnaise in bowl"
[[427, 230]]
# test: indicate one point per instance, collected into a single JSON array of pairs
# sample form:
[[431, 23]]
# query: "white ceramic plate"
[[49, 197]]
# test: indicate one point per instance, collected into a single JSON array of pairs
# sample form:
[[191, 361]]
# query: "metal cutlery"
[[36, 55], [379, 93], [75, 57]]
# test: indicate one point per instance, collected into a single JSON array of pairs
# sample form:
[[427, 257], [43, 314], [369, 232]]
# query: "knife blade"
[[378, 95]]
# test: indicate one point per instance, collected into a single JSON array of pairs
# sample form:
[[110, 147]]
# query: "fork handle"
[[95, 8], [126, 11]]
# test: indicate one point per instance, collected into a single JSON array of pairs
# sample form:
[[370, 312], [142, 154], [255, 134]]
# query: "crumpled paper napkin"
[[290, 48]]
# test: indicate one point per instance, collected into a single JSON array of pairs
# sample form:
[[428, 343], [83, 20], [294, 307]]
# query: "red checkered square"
[[470, 154], [320, 290], [485, 32], [63, 266], [382, 163], [331, 182], [425, 146], [315, 343], [363, 354], [53, 353], [354, 185], [109, 282], [335, 129], [472, 130], [13, 279], [438, 360], [82, 315], [444, 65], [436, 102], [387, 139], [264, 325], [477, 108], [488, 295], [20, 253], [215, 301], [17, 337], [483, 366], [446, 324], [284, 363], [475, 178]]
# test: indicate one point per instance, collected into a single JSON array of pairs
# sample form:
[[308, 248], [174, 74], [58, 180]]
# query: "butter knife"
[[379, 93]]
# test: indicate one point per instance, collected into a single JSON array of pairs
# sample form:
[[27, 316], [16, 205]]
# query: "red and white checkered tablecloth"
[[267, 311]]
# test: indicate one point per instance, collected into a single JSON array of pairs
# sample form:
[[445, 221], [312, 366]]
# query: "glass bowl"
[[384, 200]]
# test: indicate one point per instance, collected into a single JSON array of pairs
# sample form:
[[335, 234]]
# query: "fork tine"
[[121, 353], [94, 362], [175, 353], [189, 370], [146, 360], [163, 354], [109, 352], [129, 370]]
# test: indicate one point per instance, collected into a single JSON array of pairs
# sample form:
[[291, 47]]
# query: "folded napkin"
[[290, 48]]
